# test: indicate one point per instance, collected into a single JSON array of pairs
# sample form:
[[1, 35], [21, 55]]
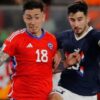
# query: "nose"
[[76, 23], [33, 21]]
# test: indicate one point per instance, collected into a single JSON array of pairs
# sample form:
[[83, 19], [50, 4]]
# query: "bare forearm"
[[3, 57], [57, 59]]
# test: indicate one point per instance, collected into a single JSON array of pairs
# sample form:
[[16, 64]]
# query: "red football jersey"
[[33, 68]]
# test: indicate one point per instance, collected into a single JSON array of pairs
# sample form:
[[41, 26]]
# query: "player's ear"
[[88, 19], [23, 18], [44, 16]]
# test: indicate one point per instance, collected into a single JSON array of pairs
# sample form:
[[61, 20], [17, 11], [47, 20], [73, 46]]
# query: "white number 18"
[[42, 55]]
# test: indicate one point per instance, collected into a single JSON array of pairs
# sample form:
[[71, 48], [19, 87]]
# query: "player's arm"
[[57, 60], [3, 57]]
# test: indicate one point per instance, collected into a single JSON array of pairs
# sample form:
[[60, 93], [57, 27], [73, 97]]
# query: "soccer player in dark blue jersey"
[[81, 46]]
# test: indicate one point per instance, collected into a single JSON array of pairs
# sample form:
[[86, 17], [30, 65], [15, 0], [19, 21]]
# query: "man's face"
[[33, 19], [78, 22]]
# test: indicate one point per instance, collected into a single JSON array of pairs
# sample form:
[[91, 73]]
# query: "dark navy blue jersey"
[[83, 77]]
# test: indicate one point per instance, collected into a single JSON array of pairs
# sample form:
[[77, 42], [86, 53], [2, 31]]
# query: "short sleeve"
[[9, 45], [59, 40], [97, 37]]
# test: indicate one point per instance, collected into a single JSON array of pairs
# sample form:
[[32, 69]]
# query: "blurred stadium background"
[[56, 21]]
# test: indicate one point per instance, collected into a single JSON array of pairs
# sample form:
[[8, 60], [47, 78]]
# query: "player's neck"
[[85, 31], [89, 28], [38, 34]]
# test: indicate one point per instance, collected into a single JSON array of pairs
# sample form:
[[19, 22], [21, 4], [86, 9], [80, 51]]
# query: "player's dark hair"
[[33, 4], [78, 6]]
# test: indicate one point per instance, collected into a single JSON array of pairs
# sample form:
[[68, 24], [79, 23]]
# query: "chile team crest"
[[50, 45]]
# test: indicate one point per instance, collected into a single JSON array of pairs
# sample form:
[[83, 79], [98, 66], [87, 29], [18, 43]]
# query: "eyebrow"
[[73, 18], [34, 14]]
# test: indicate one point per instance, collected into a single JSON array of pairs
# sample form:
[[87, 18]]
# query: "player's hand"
[[72, 59]]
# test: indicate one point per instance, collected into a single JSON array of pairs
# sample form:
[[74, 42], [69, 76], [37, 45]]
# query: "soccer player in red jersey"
[[32, 50]]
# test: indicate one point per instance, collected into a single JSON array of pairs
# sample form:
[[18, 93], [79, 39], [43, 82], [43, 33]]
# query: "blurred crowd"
[[19, 2]]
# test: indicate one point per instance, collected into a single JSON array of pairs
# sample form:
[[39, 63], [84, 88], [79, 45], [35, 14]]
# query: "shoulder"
[[50, 35], [67, 32], [95, 34], [64, 34], [96, 31], [16, 34]]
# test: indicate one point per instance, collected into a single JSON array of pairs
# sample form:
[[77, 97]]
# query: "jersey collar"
[[34, 36], [89, 29]]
